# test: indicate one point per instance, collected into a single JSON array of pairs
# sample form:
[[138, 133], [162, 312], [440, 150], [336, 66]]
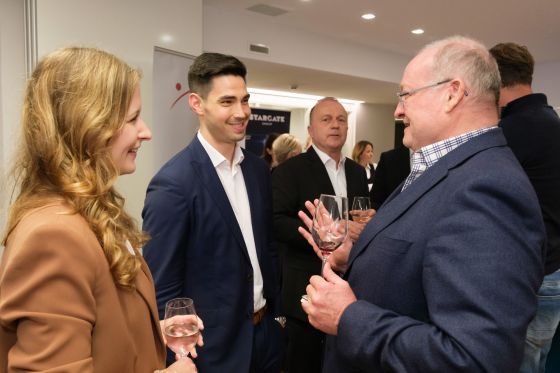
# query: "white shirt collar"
[[326, 158], [216, 157]]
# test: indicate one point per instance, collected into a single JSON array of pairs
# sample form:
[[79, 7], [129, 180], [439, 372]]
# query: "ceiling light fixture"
[[272, 97], [368, 16], [417, 31]]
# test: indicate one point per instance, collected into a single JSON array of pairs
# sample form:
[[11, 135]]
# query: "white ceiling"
[[533, 23]]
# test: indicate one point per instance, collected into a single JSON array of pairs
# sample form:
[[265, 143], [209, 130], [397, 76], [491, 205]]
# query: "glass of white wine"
[[360, 207], [180, 325]]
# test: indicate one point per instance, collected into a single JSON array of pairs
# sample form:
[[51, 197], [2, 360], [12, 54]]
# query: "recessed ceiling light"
[[368, 16], [417, 31], [166, 38]]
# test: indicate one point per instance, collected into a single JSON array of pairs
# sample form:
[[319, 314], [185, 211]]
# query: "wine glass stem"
[[323, 262]]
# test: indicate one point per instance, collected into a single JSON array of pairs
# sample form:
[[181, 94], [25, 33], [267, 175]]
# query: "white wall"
[[546, 79], [130, 29], [12, 80], [376, 124]]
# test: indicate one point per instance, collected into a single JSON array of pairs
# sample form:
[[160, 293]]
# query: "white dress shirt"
[[336, 174], [233, 182]]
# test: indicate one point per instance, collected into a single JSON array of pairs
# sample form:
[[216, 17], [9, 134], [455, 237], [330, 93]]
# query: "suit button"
[[250, 277], [250, 315]]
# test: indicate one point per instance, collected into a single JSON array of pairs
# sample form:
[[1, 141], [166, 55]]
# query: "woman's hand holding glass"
[[181, 327]]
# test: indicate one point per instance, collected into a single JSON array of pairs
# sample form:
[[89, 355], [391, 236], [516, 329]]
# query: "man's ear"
[[455, 94], [196, 103]]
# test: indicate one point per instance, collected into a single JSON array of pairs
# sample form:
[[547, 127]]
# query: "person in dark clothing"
[[392, 169], [532, 130], [322, 169]]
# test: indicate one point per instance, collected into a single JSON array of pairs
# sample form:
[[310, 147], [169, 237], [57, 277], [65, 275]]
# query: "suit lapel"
[[319, 175], [145, 287], [211, 181], [399, 202], [255, 193]]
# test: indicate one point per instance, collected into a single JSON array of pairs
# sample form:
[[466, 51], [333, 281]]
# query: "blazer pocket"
[[390, 245]]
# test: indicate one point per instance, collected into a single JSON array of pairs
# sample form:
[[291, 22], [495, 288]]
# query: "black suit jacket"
[[392, 169], [299, 179]]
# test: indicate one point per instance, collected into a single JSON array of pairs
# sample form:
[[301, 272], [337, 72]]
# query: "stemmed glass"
[[330, 224], [360, 206], [180, 325]]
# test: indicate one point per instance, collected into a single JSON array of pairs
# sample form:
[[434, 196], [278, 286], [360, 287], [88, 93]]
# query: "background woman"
[[285, 147], [76, 295], [363, 154], [267, 149]]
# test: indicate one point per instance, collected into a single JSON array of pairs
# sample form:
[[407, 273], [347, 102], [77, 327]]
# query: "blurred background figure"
[[267, 150], [77, 295], [532, 131], [363, 154], [392, 170], [285, 147], [308, 143]]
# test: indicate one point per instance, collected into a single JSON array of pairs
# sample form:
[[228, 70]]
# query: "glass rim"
[[187, 302]]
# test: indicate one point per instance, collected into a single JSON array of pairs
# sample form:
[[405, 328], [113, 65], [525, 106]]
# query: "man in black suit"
[[322, 169], [532, 131], [392, 169]]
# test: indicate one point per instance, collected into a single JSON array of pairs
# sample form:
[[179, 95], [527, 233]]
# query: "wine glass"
[[360, 208], [180, 325], [330, 224]]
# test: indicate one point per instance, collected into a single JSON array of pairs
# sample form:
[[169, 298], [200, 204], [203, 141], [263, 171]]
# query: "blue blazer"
[[197, 251], [446, 273]]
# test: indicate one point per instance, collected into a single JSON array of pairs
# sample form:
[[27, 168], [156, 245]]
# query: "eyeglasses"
[[402, 95]]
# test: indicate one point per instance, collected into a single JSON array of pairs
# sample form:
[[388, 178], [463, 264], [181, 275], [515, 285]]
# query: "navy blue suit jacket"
[[446, 273], [197, 251]]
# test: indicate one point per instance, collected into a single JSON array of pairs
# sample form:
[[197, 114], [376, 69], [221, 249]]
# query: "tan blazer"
[[60, 310]]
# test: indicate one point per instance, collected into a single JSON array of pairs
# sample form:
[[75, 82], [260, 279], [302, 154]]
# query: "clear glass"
[[360, 207], [330, 224], [180, 325]]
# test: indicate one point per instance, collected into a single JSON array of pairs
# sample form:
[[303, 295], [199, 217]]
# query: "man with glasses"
[[443, 278]]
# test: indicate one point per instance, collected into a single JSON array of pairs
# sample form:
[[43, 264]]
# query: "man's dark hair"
[[209, 65], [515, 63]]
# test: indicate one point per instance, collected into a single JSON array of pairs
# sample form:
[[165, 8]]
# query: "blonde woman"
[[363, 154], [76, 295], [285, 147]]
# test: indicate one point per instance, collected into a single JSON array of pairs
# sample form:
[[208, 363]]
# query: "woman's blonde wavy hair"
[[74, 106]]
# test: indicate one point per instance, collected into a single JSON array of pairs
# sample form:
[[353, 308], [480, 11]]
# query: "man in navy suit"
[[444, 277], [532, 130], [209, 213]]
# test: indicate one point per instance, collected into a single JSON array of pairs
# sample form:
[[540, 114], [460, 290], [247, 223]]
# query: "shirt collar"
[[216, 157], [430, 154], [325, 158]]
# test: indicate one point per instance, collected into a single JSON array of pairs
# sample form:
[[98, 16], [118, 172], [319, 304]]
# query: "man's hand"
[[327, 298], [338, 258], [355, 227]]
